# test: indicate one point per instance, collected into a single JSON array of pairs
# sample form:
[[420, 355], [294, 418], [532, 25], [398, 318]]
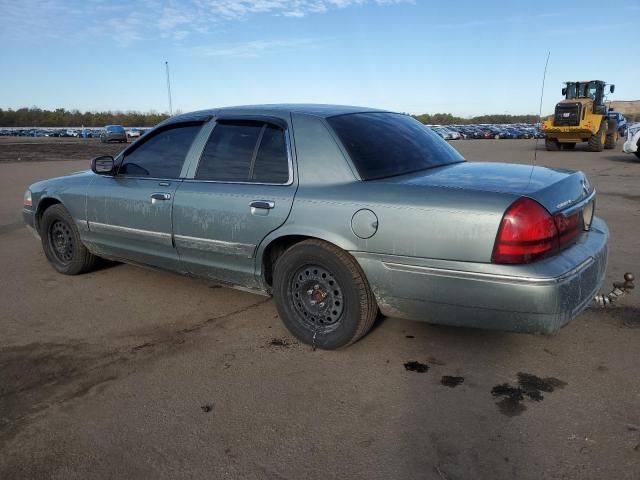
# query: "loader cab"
[[593, 90]]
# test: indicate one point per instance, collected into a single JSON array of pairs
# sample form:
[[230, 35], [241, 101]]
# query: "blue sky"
[[462, 57]]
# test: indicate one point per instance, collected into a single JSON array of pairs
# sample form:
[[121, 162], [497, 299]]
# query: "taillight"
[[527, 232], [568, 227], [27, 199]]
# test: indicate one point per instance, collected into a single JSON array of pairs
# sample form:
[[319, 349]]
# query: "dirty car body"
[[432, 244]]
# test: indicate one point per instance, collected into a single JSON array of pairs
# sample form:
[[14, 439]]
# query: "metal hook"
[[620, 289]]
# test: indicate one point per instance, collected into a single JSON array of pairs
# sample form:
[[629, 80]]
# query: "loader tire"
[[597, 141], [551, 144]]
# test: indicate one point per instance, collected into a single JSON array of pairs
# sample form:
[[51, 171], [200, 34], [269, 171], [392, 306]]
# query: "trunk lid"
[[554, 189]]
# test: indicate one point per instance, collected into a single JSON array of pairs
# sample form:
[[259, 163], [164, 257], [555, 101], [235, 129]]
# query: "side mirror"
[[103, 165], [564, 92], [612, 88]]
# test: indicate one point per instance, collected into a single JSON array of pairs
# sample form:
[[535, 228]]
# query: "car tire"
[[597, 141], [322, 295], [61, 242], [551, 144]]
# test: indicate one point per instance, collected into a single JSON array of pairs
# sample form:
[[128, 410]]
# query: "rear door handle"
[[263, 204], [156, 197]]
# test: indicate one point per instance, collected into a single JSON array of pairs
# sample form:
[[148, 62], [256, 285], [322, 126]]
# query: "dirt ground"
[[29, 149], [131, 373]]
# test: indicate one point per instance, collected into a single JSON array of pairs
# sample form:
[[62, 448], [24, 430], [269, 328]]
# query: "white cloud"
[[212, 10], [128, 22], [250, 49]]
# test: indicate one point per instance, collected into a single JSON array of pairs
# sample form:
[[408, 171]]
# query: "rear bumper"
[[118, 137], [536, 298], [631, 145]]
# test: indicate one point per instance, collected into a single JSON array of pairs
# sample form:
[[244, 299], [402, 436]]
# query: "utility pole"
[[166, 64]]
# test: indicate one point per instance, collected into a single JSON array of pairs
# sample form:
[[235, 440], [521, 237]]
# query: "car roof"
[[319, 110]]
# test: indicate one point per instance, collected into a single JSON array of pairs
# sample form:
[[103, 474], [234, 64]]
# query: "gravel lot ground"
[[131, 373]]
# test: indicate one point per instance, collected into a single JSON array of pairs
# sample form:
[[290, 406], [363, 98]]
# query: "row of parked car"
[[448, 132], [69, 132], [457, 132]]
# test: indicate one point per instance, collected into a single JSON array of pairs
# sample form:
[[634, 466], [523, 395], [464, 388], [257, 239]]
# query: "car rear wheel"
[[322, 295], [61, 242]]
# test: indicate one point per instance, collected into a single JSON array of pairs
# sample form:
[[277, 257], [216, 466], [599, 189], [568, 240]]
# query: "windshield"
[[388, 144], [115, 128], [582, 90]]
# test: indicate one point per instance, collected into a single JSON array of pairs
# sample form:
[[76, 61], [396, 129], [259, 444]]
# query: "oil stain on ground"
[[414, 366], [280, 343], [38, 375], [451, 382], [530, 387]]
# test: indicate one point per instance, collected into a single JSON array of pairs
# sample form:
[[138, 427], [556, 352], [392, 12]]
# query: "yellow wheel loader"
[[581, 117]]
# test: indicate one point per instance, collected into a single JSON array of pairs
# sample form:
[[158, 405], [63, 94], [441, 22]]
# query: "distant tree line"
[[60, 117]]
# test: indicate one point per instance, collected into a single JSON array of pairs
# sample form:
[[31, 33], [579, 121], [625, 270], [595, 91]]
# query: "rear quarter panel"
[[413, 221], [426, 222]]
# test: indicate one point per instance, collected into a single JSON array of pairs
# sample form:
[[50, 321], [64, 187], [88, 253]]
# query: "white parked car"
[[632, 145], [133, 133], [455, 135], [445, 132]]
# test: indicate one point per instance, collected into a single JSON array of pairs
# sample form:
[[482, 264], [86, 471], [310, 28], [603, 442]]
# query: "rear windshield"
[[115, 128], [388, 144]]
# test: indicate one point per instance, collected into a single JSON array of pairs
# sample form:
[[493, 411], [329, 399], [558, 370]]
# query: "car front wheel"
[[322, 295], [61, 242]]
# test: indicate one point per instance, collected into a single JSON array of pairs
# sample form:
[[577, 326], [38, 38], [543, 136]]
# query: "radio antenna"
[[544, 77], [166, 65]]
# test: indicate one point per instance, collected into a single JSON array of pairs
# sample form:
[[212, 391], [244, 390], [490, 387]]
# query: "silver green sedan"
[[338, 212]]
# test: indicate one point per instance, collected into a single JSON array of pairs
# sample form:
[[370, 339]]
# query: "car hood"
[[43, 184], [555, 189]]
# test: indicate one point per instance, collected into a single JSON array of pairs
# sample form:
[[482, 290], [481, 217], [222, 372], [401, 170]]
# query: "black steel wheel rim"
[[61, 241], [317, 298]]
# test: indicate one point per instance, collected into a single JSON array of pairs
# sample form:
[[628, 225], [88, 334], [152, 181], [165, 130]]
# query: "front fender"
[[70, 191]]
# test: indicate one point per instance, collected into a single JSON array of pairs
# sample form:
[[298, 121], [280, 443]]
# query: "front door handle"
[[156, 197], [263, 204]]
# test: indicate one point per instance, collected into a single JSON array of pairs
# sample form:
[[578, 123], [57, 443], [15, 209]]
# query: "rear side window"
[[245, 151], [272, 163], [162, 155], [388, 144]]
